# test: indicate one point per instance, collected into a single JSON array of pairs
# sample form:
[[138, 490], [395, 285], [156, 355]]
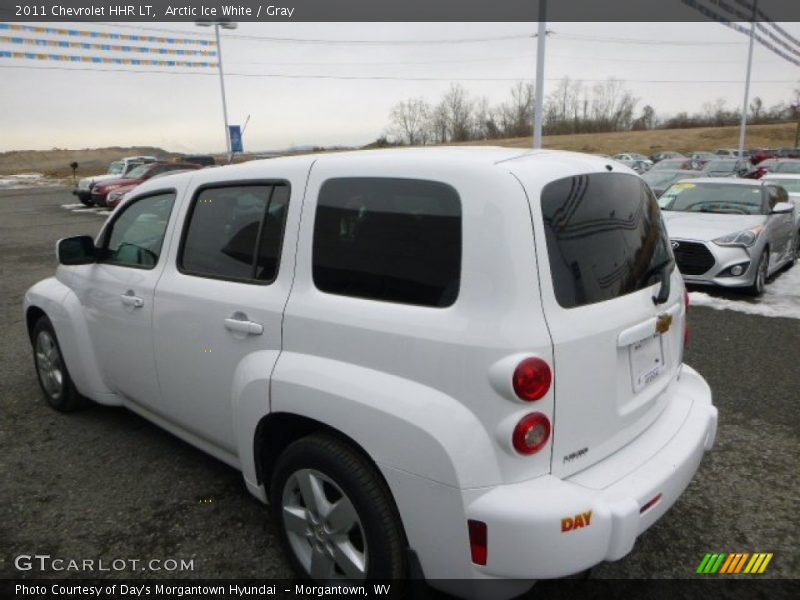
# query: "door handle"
[[128, 299], [243, 326]]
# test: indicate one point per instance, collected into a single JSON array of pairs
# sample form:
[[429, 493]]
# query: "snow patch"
[[781, 298], [27, 180]]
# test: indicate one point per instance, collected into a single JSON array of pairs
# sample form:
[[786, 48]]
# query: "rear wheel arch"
[[276, 431]]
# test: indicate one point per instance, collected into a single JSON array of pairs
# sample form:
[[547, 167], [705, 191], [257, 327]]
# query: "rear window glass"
[[396, 240], [605, 237]]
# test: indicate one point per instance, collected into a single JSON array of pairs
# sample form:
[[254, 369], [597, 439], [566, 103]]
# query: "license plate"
[[647, 361]]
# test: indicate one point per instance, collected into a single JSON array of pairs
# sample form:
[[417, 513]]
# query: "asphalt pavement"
[[105, 483]]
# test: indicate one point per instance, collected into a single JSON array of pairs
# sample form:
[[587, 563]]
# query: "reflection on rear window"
[[605, 237]]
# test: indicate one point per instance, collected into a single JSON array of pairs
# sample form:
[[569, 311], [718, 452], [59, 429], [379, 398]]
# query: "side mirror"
[[782, 208], [78, 250]]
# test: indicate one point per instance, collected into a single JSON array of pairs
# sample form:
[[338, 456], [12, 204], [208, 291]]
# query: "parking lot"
[[104, 483]]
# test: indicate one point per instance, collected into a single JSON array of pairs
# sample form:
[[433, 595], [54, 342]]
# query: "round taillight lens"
[[532, 379], [531, 433]]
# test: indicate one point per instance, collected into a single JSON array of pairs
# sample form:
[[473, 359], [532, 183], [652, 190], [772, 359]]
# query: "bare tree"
[[437, 124], [647, 120], [756, 106], [517, 114], [409, 120], [457, 107]]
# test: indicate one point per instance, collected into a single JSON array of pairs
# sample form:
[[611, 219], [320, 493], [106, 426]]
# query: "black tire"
[[59, 391], [762, 271], [85, 200], [376, 537]]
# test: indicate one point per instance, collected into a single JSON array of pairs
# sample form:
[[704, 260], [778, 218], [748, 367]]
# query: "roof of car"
[[729, 180], [471, 157], [781, 176]]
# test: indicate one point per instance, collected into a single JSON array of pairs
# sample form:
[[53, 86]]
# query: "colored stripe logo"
[[106, 35], [734, 563]]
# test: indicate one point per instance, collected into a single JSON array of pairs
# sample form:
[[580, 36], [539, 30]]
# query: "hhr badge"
[[663, 323]]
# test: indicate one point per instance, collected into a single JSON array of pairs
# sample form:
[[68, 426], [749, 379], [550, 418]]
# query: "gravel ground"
[[104, 483]]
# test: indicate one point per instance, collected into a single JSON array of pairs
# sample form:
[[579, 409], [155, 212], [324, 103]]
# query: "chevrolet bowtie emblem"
[[663, 323]]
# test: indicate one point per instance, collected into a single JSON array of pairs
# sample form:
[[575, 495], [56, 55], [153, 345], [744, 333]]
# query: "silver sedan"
[[730, 232]]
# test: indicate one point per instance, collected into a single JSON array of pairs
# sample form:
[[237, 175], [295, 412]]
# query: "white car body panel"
[[423, 391]]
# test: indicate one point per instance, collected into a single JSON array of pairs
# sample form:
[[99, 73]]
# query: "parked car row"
[[125, 174]]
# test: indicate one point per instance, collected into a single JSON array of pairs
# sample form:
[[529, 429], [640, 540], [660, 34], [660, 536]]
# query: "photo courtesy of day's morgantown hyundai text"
[[460, 362]]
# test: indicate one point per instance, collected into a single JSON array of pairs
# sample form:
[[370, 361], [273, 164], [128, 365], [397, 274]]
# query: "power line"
[[639, 41], [374, 42], [485, 59], [383, 77]]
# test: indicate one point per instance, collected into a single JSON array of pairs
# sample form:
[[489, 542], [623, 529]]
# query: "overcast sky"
[[68, 108]]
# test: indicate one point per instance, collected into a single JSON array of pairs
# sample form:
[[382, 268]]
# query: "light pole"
[[539, 89], [743, 125], [225, 25]]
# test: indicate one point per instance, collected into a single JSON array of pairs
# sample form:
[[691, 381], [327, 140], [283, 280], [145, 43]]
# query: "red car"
[[774, 165], [116, 196], [135, 177], [759, 154]]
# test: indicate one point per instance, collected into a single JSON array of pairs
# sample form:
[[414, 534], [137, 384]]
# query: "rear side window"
[[236, 232], [605, 237], [396, 240]]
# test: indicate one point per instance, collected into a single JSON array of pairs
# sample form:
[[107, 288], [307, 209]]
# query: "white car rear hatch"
[[602, 251]]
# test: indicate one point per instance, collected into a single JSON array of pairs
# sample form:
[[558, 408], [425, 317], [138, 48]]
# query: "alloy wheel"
[[323, 527], [49, 365]]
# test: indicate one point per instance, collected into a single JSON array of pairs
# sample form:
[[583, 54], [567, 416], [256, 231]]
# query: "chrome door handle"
[[244, 326], [128, 299]]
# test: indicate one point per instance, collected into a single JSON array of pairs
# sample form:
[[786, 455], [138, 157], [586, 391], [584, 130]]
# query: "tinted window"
[[137, 234], [236, 232], [397, 240], [604, 237]]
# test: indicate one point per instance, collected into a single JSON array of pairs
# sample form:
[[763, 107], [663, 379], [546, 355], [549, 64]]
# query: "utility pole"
[[743, 126], [539, 91], [225, 25]]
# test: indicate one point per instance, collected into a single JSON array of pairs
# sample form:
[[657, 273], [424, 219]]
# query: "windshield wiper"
[[664, 270]]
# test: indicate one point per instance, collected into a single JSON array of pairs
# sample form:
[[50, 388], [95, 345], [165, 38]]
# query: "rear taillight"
[[531, 433], [478, 537], [532, 379], [686, 318]]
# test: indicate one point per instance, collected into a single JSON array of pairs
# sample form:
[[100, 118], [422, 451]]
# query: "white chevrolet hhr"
[[464, 362]]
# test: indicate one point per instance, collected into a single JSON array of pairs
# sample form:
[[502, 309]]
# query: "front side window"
[[135, 237], [605, 237], [236, 232], [115, 168], [137, 172], [395, 240]]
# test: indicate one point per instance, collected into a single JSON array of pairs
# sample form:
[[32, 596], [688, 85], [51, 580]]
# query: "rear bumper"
[[548, 527]]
